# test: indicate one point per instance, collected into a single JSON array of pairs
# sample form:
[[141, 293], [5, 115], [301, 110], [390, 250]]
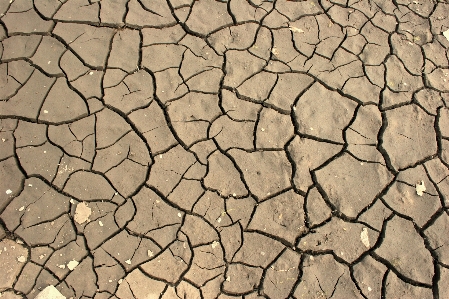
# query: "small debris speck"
[[215, 244], [72, 265], [364, 237], [82, 213], [8, 191], [420, 188], [22, 259]]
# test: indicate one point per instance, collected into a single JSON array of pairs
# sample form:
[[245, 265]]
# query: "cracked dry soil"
[[224, 149]]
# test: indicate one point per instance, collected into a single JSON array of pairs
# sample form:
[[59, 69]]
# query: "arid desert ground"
[[233, 149]]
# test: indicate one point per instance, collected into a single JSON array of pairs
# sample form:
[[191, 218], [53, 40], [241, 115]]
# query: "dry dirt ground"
[[224, 149]]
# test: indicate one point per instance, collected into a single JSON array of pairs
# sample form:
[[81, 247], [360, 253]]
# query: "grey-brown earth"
[[231, 149]]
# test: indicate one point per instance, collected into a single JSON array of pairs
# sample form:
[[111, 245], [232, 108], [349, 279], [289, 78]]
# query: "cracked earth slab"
[[224, 149]]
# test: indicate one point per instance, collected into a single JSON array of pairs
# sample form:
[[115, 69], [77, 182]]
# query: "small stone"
[[45, 111], [62, 266], [446, 34], [8, 191], [100, 223], [82, 213], [21, 208], [72, 265], [128, 262], [21, 259], [215, 244], [420, 188], [50, 292], [364, 237], [150, 253]]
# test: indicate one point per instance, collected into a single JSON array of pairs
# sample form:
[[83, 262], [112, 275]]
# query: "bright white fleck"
[[91, 73], [364, 237], [262, 253], [120, 281], [420, 188], [228, 278], [128, 262], [215, 244], [369, 289], [100, 223], [150, 253], [219, 220], [49, 62], [62, 266], [21, 208], [233, 194], [72, 265], [22, 259], [446, 34], [18, 241], [179, 215], [72, 201], [30, 185], [262, 129], [9, 191], [294, 29], [45, 111]]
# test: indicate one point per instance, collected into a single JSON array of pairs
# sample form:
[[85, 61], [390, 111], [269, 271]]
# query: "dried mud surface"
[[224, 149]]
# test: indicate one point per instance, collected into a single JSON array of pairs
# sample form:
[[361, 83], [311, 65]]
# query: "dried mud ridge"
[[234, 149]]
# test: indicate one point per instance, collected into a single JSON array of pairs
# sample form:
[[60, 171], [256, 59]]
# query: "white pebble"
[[22, 259]]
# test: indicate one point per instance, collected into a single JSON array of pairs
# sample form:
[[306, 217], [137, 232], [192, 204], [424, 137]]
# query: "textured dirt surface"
[[224, 149]]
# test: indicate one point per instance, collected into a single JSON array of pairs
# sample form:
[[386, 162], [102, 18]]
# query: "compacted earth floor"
[[244, 149]]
